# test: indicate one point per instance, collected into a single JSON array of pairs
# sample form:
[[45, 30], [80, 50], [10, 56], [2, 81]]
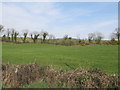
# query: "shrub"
[[20, 75]]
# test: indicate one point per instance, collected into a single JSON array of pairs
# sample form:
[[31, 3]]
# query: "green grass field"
[[104, 57]]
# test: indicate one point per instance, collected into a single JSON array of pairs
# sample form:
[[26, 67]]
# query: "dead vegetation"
[[18, 75]]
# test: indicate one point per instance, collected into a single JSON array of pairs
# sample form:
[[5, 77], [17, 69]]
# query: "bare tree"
[[15, 36], [65, 37], [12, 34], [91, 37], [1, 28], [117, 33], [34, 36], [4, 37], [112, 36], [99, 37], [25, 33], [44, 35], [8, 34]]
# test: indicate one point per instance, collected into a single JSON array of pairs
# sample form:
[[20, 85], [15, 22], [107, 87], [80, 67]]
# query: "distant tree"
[[112, 36], [117, 33], [25, 33], [34, 36], [70, 41], [15, 36], [65, 37], [1, 28], [8, 34], [94, 36], [12, 34], [44, 35], [99, 37], [78, 37], [91, 37], [70, 38], [4, 37]]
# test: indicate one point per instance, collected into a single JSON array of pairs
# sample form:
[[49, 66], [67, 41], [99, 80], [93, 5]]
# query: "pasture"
[[104, 57]]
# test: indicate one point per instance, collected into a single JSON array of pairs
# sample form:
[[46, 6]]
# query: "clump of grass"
[[20, 75]]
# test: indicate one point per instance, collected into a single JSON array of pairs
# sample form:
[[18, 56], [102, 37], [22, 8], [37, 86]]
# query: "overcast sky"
[[61, 18]]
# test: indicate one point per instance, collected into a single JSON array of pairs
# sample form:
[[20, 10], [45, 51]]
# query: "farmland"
[[104, 57]]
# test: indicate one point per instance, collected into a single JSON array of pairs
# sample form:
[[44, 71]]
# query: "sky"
[[61, 18]]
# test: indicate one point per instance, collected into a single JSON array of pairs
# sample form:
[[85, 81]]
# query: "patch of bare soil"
[[18, 75]]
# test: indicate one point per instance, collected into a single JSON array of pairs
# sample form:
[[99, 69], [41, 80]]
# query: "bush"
[[20, 75]]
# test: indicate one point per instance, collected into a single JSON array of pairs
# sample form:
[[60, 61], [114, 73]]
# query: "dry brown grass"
[[19, 75]]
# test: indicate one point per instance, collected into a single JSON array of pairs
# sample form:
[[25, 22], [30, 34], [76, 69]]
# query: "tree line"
[[11, 35]]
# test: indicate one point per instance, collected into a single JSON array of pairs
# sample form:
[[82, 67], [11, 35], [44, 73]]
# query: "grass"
[[104, 57]]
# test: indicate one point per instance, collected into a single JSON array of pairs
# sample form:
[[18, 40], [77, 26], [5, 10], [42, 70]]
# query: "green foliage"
[[83, 78]]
